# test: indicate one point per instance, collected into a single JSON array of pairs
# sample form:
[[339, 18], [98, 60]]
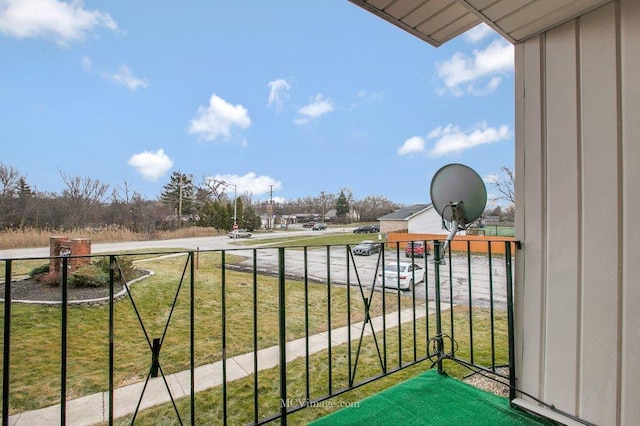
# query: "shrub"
[[125, 265], [52, 280], [39, 270], [89, 276]]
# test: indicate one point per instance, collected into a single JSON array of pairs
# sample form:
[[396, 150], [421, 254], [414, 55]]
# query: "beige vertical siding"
[[600, 216], [562, 251], [630, 233], [578, 186]]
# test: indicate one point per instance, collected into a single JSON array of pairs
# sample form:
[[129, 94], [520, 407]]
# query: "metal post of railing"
[[223, 314], [192, 336], [329, 342], [469, 275], [282, 337], [63, 342], [427, 334], [399, 305], [349, 319], [436, 265], [384, 314], [255, 336], [307, 384], [7, 343], [510, 324], [451, 319], [112, 266], [492, 309]]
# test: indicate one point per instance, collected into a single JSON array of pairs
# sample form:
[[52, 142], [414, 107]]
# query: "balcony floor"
[[432, 399]]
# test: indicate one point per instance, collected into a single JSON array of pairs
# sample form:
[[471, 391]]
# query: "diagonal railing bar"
[[155, 345], [367, 316]]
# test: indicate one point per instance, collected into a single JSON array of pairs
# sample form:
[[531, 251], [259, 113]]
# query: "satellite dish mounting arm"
[[458, 223]]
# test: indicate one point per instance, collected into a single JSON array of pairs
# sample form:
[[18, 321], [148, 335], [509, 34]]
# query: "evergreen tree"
[[180, 194], [342, 208]]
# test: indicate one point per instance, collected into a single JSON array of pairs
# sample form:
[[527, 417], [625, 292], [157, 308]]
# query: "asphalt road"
[[488, 280]]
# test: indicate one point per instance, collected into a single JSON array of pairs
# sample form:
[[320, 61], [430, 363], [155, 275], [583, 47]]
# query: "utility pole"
[[180, 202], [270, 209]]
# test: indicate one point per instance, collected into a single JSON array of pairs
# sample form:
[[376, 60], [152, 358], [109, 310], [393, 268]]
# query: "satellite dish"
[[459, 196]]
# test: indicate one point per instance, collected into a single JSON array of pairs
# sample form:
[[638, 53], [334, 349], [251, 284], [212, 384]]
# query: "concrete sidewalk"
[[93, 409]]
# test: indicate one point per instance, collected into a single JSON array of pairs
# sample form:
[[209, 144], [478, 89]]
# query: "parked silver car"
[[239, 233], [366, 248]]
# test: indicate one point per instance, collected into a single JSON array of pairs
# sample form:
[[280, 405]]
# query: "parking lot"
[[487, 278]]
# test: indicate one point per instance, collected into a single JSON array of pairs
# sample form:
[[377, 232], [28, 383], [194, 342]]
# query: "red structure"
[[73, 247]]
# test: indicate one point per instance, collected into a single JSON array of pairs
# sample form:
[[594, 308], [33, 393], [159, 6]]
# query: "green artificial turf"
[[431, 399]]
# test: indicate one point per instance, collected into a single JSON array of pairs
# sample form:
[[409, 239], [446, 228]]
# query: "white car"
[[409, 273]]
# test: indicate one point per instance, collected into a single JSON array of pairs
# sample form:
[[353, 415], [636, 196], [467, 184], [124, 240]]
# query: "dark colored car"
[[319, 227], [366, 229], [366, 248], [309, 225], [416, 249]]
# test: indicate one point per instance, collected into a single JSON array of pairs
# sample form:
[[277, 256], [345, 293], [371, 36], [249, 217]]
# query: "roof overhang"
[[438, 21]]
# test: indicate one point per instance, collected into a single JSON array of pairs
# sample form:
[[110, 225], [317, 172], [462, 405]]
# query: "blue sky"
[[295, 96]]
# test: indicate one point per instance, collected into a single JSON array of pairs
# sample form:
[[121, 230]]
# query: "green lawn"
[[240, 394], [36, 330]]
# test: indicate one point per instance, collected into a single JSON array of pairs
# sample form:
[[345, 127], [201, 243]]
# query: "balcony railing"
[[248, 335]]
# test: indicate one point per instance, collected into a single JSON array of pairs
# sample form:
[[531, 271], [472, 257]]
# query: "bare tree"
[[372, 207], [504, 183], [15, 196], [10, 179], [83, 196]]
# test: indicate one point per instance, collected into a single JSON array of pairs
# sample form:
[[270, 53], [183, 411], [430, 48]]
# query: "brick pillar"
[[80, 247], [56, 246]]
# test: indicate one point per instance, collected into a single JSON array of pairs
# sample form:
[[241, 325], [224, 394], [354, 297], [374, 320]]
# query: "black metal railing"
[[289, 327]]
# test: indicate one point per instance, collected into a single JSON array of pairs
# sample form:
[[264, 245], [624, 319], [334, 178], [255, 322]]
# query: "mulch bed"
[[32, 290]]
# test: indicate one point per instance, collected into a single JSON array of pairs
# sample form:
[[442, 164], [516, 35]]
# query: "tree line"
[[86, 202]]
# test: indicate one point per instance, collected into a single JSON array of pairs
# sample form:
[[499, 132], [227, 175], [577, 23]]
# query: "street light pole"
[[235, 207]]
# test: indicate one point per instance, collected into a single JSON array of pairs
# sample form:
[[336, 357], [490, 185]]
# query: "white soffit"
[[437, 21]]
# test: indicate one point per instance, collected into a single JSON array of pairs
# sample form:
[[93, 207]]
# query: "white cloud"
[[451, 139], [478, 33], [411, 145], [62, 22], [317, 107], [125, 77], [217, 119], [151, 165], [365, 97], [278, 93], [478, 75], [87, 64], [255, 185]]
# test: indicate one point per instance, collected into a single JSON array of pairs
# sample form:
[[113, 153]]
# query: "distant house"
[[416, 219]]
